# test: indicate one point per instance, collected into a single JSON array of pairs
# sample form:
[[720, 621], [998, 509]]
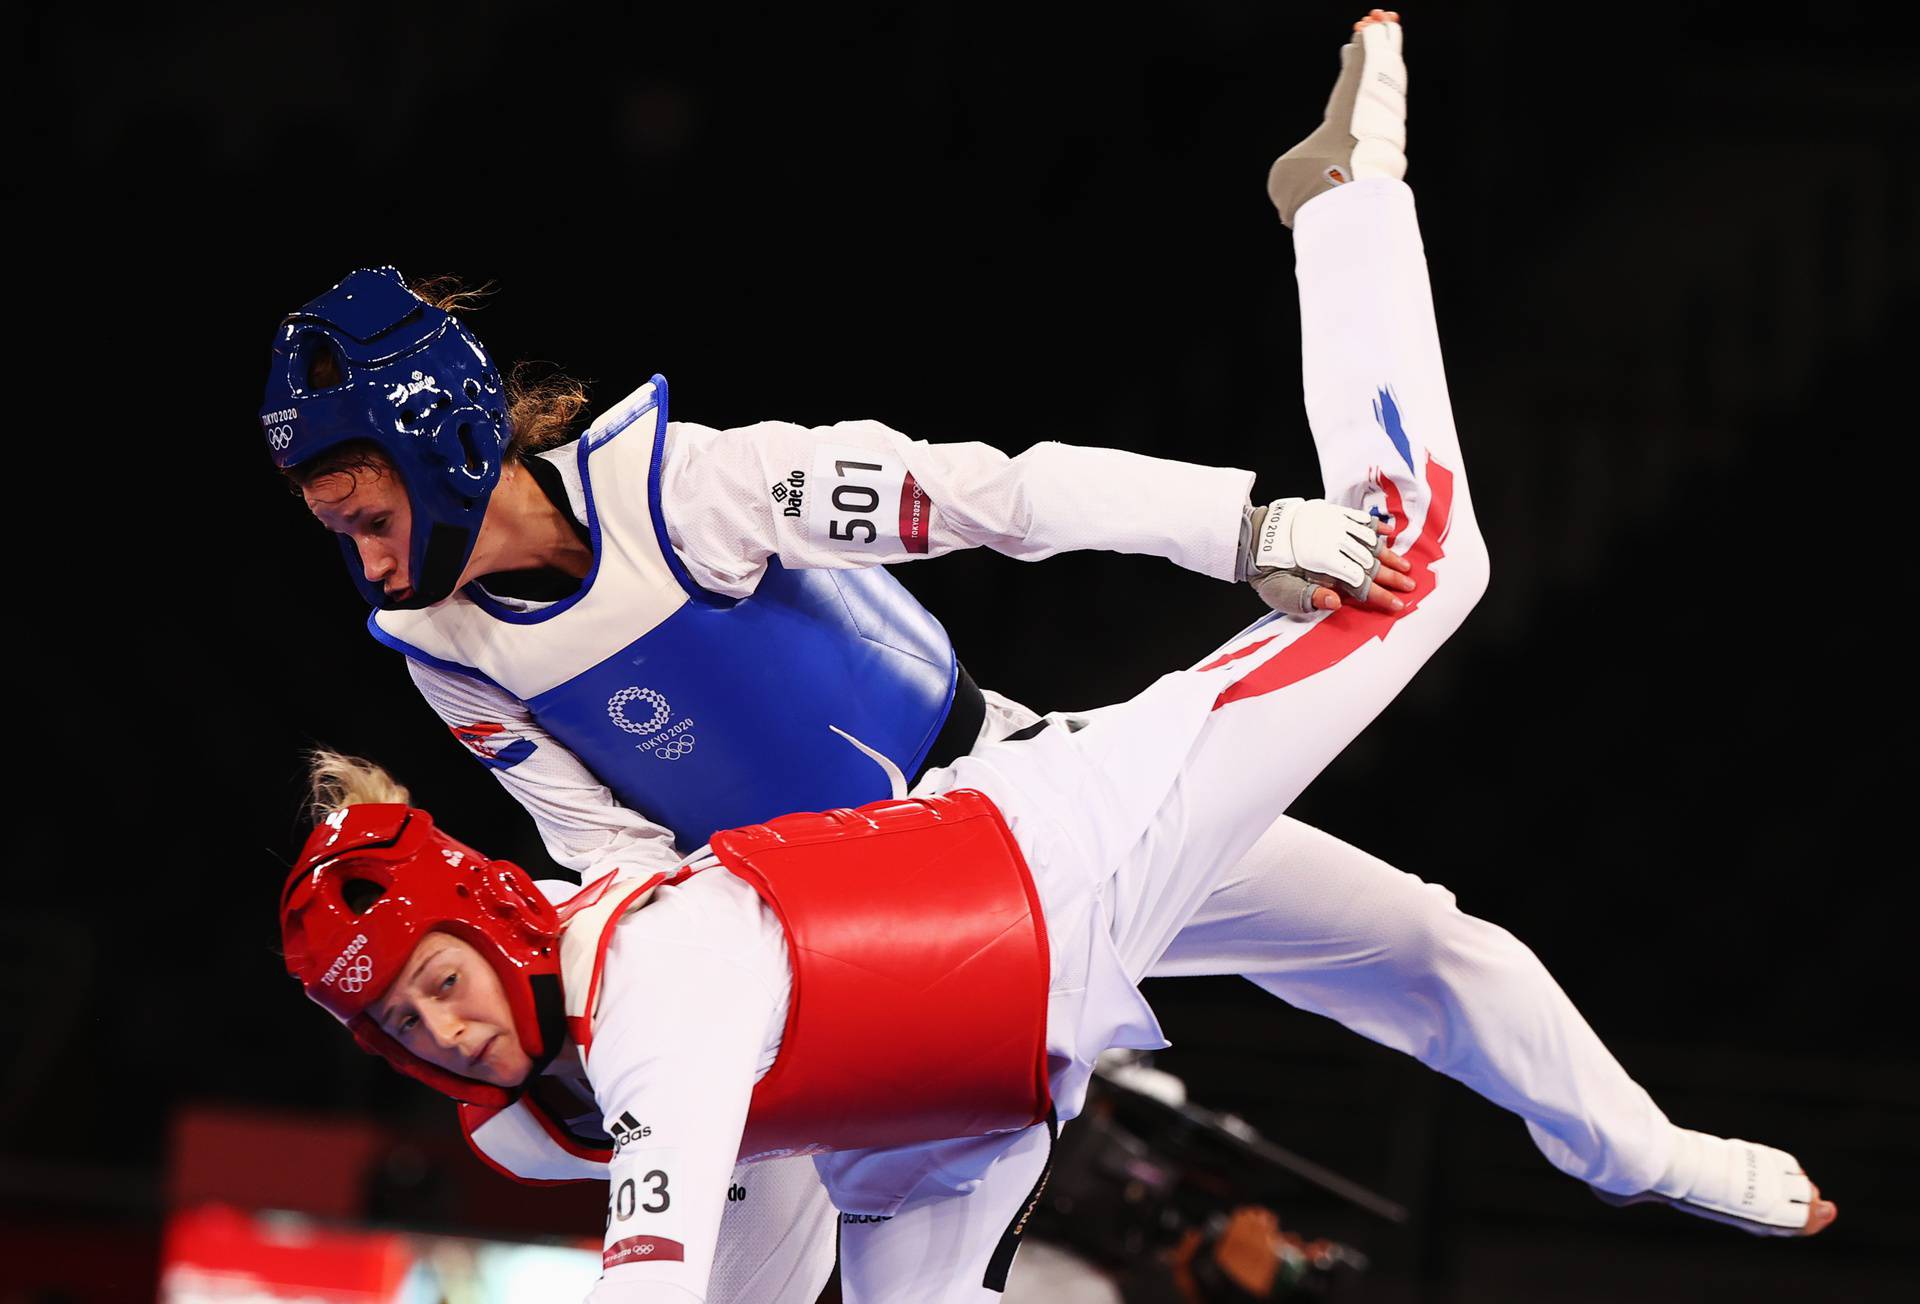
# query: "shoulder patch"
[[493, 744]]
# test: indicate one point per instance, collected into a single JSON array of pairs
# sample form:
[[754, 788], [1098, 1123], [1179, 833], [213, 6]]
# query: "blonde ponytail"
[[336, 781]]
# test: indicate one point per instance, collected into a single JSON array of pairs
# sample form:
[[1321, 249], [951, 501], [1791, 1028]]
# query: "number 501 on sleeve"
[[864, 498]]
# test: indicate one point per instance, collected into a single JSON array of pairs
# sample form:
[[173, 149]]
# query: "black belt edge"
[[961, 729], [1002, 1261]]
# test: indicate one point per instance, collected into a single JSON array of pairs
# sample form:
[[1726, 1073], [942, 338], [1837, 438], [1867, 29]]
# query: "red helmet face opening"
[[370, 883]]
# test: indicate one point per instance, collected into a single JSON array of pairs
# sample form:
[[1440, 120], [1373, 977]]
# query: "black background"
[[1672, 255]]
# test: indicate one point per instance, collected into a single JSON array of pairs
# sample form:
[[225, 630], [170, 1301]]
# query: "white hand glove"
[[1299, 544]]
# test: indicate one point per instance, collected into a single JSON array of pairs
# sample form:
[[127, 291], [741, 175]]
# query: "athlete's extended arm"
[[861, 494], [582, 824]]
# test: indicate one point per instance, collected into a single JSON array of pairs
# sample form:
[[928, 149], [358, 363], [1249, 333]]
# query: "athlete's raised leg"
[[1334, 931], [1292, 691], [1175, 785]]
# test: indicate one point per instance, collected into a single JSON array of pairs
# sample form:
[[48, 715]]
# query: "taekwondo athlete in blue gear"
[[700, 710], [719, 707]]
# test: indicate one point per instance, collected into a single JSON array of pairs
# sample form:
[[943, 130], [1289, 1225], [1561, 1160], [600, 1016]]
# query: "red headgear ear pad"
[[372, 881]]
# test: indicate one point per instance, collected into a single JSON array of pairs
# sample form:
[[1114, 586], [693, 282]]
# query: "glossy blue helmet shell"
[[414, 382]]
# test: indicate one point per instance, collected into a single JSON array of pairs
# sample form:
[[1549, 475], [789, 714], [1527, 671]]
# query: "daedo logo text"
[[790, 493]]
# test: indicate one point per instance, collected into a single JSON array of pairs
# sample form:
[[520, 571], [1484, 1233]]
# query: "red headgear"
[[373, 880]]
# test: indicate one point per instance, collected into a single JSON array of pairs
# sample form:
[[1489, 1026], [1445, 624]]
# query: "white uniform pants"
[[1222, 883]]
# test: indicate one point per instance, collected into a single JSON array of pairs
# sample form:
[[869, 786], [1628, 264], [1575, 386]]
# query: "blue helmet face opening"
[[369, 362]]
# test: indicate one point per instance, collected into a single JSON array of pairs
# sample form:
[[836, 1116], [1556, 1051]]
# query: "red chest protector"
[[919, 1000]]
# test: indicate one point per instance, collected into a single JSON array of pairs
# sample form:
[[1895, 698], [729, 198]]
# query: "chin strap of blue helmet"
[[368, 362]]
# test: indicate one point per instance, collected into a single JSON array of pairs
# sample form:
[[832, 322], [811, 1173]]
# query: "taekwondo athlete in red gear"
[[792, 989], [1502, 977]]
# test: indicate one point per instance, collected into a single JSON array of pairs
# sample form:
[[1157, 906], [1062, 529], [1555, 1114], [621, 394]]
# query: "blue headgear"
[[414, 382]]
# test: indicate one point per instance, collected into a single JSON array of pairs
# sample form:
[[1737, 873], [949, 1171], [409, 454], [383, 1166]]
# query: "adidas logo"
[[627, 1128]]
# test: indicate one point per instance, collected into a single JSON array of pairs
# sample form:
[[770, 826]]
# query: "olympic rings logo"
[[358, 975], [674, 750], [669, 746], [278, 437]]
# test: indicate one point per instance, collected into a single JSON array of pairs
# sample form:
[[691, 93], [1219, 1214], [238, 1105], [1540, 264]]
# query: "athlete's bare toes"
[[1820, 1214], [1377, 16]]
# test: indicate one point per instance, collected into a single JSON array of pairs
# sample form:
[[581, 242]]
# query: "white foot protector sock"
[[1740, 1183]]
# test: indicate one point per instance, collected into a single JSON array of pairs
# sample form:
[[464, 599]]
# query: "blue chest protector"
[[699, 711]]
